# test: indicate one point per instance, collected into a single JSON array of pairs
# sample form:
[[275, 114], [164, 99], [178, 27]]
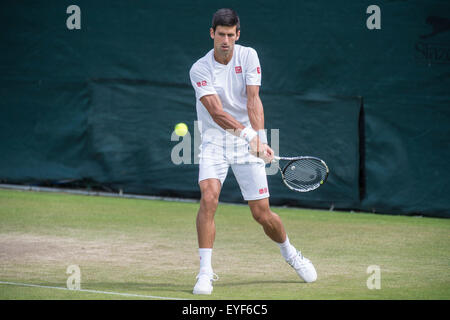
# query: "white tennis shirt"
[[229, 82]]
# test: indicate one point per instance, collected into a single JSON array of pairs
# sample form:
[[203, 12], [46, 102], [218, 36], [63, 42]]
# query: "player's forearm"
[[225, 120], [255, 112], [259, 146]]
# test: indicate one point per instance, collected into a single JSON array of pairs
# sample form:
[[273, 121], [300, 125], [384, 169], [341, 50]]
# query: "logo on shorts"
[[201, 83], [238, 69], [258, 69], [262, 190]]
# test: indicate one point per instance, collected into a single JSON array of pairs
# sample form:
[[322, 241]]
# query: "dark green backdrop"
[[97, 106]]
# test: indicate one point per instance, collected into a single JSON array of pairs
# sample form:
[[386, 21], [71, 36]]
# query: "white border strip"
[[91, 193], [110, 194], [90, 291]]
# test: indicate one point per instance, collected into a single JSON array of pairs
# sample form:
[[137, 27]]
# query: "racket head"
[[304, 174]]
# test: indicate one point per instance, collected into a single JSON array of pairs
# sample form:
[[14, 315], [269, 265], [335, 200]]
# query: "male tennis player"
[[231, 121]]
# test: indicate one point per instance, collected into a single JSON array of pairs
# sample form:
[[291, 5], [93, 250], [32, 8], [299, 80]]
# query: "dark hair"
[[226, 17]]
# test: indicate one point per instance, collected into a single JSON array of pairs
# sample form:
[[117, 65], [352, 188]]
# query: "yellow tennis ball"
[[181, 129]]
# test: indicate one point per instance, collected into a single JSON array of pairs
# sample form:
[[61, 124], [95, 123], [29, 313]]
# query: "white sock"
[[287, 250], [205, 260]]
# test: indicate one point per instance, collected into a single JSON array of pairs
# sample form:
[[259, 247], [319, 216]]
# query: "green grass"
[[150, 248]]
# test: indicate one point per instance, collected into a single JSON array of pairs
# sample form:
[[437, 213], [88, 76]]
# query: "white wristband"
[[262, 136], [248, 134]]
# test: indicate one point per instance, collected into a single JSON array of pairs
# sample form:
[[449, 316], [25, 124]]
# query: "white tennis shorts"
[[250, 171]]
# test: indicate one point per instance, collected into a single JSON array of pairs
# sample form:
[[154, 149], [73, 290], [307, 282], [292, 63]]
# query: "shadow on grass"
[[250, 283], [154, 288]]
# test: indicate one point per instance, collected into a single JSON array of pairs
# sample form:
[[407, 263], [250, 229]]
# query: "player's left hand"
[[261, 150], [268, 154]]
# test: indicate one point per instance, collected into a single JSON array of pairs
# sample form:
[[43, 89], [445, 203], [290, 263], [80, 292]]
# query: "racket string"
[[305, 174]]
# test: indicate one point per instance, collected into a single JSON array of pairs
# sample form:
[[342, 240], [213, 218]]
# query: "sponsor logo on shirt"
[[202, 83], [262, 190], [238, 69]]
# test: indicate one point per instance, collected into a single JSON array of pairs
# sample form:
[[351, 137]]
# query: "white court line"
[[90, 291]]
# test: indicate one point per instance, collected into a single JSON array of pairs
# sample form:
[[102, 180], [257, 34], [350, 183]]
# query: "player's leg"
[[270, 221], [206, 228], [212, 173], [272, 226], [252, 180], [206, 232], [274, 229]]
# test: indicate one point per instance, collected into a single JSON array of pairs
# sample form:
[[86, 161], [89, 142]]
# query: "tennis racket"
[[303, 174]]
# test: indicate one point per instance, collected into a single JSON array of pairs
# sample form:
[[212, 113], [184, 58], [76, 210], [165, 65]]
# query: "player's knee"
[[210, 200], [259, 218], [263, 217]]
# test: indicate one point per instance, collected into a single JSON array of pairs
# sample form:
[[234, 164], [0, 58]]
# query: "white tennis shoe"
[[303, 267], [204, 283]]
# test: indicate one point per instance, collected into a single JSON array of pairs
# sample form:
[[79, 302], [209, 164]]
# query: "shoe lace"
[[298, 261], [212, 276]]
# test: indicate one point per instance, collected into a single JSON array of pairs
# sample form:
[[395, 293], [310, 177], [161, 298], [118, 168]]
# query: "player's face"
[[224, 39]]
